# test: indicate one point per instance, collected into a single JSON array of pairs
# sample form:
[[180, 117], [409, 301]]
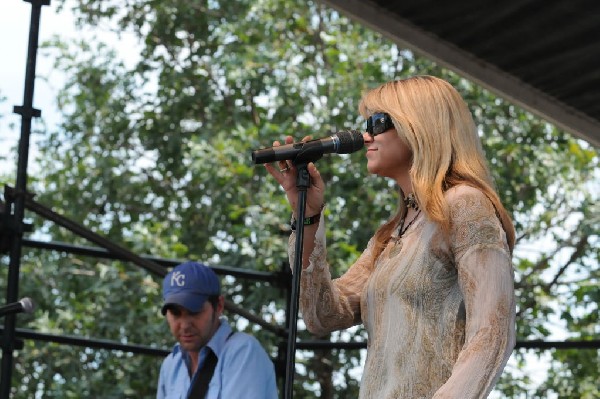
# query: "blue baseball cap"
[[189, 285]]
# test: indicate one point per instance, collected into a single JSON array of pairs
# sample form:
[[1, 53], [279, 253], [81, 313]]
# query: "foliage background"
[[156, 157]]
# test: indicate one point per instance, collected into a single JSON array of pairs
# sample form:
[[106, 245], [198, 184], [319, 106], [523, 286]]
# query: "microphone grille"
[[28, 306], [350, 141]]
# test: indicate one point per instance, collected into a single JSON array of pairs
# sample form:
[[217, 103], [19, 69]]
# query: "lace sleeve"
[[485, 274], [329, 304]]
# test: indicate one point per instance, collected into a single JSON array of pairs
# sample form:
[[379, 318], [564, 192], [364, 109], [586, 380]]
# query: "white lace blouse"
[[439, 310]]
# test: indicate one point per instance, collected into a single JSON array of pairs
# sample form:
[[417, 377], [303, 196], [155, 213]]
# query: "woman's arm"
[[328, 305], [485, 276]]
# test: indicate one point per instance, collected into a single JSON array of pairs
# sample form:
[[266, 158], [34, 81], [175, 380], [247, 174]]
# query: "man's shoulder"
[[239, 338], [241, 345], [228, 334]]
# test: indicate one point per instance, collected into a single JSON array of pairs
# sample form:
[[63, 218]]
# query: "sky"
[[15, 18], [15, 21]]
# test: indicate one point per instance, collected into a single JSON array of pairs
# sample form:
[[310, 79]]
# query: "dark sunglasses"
[[379, 123]]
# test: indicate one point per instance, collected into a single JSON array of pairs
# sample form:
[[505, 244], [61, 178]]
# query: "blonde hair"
[[433, 119]]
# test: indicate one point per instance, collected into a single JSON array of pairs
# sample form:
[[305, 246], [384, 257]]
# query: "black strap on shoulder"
[[200, 387], [205, 374]]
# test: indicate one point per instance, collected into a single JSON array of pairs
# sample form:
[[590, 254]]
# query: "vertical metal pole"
[[282, 358], [302, 183], [27, 112]]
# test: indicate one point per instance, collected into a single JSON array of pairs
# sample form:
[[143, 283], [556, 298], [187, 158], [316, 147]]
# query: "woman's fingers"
[[316, 178], [283, 166], [284, 171]]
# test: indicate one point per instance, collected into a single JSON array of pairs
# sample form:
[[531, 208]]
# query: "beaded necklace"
[[411, 202], [402, 229]]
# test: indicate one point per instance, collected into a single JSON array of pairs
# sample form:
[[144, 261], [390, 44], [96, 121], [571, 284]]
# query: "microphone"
[[309, 151], [25, 305]]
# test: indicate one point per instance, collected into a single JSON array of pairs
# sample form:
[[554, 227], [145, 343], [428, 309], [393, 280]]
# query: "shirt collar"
[[217, 342]]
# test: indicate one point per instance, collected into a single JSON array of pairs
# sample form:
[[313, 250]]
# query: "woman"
[[434, 287]]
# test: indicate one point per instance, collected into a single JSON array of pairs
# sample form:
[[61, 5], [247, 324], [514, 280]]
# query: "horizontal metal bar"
[[86, 233], [305, 345], [166, 263], [88, 342]]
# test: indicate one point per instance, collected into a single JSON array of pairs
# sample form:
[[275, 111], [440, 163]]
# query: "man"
[[193, 306]]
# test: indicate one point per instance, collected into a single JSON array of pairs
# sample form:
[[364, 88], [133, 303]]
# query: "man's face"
[[194, 330]]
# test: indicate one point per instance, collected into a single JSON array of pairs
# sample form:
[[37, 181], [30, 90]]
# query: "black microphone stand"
[[302, 183]]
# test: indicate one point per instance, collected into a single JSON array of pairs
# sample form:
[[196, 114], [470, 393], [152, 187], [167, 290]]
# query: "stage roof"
[[543, 55]]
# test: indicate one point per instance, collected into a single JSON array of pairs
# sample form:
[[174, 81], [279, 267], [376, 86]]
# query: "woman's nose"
[[367, 138]]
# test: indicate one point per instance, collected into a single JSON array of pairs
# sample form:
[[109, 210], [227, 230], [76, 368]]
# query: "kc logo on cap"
[[178, 279]]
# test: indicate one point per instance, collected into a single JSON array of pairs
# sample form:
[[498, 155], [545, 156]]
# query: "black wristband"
[[306, 221]]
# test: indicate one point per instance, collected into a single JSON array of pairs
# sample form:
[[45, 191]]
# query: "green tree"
[[157, 158]]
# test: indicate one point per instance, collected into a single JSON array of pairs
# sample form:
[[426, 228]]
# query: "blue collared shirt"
[[243, 370]]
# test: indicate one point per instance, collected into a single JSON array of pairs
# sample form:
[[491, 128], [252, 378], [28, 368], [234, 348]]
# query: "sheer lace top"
[[439, 310]]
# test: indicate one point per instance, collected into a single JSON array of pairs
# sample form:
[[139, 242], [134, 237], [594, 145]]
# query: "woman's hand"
[[285, 173]]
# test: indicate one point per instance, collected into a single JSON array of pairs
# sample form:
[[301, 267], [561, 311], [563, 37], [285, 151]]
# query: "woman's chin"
[[375, 170], [371, 168]]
